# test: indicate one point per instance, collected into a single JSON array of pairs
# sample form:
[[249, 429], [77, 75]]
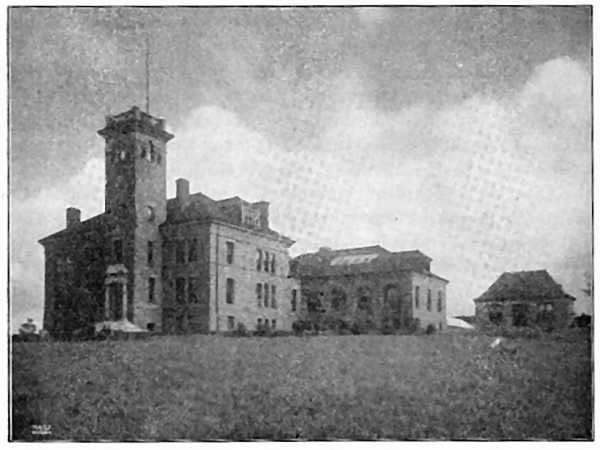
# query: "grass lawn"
[[448, 386]]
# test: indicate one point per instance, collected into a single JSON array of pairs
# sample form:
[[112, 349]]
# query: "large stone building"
[[189, 263], [370, 286], [523, 299]]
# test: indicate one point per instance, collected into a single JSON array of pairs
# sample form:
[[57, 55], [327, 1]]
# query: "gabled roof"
[[95, 223], [349, 261], [525, 285]]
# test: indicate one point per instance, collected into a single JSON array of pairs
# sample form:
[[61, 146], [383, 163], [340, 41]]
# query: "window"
[[417, 295], [229, 293], [259, 294], [519, 314], [273, 294], [230, 322], [272, 263], [266, 262], [118, 250], [150, 326], [180, 290], [266, 295], [428, 299], [495, 317], [193, 250], [266, 324], [294, 299], [259, 259], [258, 324], [273, 324], [166, 251], [151, 284], [229, 252], [151, 155], [143, 152], [180, 252], [192, 290], [440, 302], [150, 253]]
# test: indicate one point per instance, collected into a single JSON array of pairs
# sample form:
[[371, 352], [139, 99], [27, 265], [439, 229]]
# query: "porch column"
[[107, 302], [124, 300]]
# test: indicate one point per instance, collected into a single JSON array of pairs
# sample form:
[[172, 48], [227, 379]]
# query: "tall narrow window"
[[266, 295], [192, 290], [294, 299], [150, 253], [266, 262], [440, 301], [273, 296], [428, 299], [230, 323], [417, 296], [193, 250], [180, 252], [229, 252], [151, 284], [166, 251], [151, 155], [273, 324], [272, 263], [230, 291], [180, 290], [118, 250], [259, 294], [258, 324], [258, 259]]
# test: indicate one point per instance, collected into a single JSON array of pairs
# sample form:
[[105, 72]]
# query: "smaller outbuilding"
[[526, 298]]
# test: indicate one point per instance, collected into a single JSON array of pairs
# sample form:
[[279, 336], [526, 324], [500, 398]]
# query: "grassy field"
[[449, 386]]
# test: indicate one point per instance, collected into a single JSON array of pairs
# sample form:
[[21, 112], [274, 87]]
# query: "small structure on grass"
[[527, 298]]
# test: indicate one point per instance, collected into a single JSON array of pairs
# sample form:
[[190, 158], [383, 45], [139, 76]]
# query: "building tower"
[[135, 197]]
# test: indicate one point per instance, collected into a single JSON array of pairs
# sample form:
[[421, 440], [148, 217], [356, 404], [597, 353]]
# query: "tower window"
[[151, 285], [230, 290], [273, 299], [428, 299], [192, 250], [151, 153], [272, 263], [440, 301], [266, 262], [180, 290], [150, 253], [229, 252], [118, 250], [180, 252]]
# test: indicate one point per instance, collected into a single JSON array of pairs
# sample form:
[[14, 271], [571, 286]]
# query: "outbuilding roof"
[[524, 285]]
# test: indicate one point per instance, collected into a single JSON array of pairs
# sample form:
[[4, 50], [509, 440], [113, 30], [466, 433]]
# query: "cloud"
[[483, 186]]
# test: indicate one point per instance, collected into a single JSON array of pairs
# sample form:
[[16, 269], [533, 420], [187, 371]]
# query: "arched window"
[[338, 299], [440, 301], [428, 299]]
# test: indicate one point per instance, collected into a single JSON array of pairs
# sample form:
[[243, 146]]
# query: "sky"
[[460, 131]]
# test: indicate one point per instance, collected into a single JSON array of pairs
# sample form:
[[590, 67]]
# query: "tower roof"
[[135, 120]]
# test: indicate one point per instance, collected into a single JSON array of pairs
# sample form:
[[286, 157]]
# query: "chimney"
[[263, 208], [73, 217], [183, 190]]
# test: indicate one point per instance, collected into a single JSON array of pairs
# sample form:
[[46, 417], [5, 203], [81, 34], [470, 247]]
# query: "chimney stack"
[[73, 217], [183, 190], [263, 208]]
